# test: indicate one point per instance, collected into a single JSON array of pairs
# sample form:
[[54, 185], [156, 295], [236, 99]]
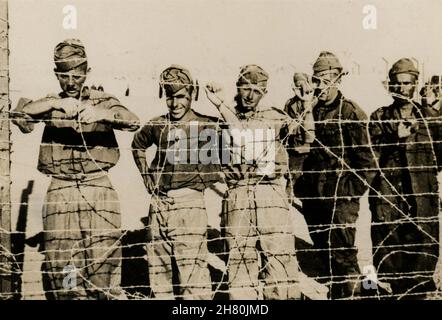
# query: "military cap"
[[69, 54], [403, 65], [252, 74], [326, 61]]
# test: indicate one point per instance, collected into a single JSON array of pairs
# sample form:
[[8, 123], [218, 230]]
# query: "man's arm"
[[40, 107], [361, 155], [300, 138], [109, 111], [124, 119], [141, 141], [434, 121], [300, 108], [22, 120], [44, 106], [213, 92], [437, 141]]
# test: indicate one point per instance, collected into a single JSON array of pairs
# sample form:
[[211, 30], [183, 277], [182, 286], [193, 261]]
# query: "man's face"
[[178, 103], [326, 84], [437, 88], [72, 81], [404, 85], [429, 95], [250, 95]]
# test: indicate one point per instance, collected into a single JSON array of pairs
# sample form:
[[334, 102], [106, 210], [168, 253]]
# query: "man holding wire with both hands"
[[81, 214]]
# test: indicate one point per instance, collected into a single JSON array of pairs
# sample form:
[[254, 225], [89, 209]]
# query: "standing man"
[[405, 202], [431, 93], [176, 179], [257, 219], [336, 173], [299, 107], [81, 215]]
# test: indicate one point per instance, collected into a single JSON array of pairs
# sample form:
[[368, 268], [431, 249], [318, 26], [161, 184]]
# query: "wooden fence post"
[[5, 165]]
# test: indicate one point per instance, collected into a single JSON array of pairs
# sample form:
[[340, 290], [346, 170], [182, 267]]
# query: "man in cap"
[[256, 211], [81, 215], [335, 176], [431, 95], [405, 199], [176, 179], [299, 107]]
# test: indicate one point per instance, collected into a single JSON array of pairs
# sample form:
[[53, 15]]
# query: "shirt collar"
[[243, 113], [397, 106], [335, 103]]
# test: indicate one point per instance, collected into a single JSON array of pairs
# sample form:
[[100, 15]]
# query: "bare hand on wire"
[[68, 105], [214, 94]]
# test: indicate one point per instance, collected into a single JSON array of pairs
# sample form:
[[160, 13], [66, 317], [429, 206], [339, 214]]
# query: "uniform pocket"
[[330, 136]]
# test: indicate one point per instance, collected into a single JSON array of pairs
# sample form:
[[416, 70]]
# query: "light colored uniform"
[[177, 222], [257, 221], [81, 213]]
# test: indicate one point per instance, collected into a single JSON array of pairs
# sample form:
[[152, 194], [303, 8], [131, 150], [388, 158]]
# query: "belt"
[[181, 192], [175, 196], [79, 176], [265, 180]]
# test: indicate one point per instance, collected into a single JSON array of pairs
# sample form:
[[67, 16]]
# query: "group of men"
[[323, 144]]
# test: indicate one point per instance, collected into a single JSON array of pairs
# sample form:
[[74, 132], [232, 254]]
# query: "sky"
[[130, 42]]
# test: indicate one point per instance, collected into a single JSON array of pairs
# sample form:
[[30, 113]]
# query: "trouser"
[[260, 243], [332, 228], [405, 250], [81, 221], [296, 161], [177, 228]]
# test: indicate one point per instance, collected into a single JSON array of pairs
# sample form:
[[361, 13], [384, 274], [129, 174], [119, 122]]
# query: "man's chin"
[[72, 94], [400, 100], [177, 116], [248, 106]]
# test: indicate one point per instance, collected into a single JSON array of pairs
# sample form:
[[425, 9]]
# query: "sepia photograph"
[[220, 150]]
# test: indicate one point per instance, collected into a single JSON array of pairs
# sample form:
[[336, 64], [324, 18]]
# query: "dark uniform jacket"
[[408, 165], [341, 130], [190, 173]]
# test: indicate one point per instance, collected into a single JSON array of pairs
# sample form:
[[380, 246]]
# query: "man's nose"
[[71, 81], [321, 85], [250, 94], [403, 89]]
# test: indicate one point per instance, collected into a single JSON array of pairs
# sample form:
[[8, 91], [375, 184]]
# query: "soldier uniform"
[[335, 176], [405, 199]]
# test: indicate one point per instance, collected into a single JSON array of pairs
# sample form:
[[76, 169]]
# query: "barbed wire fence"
[[219, 265], [404, 220], [134, 283]]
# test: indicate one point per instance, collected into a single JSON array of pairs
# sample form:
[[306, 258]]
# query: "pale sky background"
[[130, 42]]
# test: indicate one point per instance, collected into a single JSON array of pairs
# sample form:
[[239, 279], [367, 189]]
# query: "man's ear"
[[196, 89]]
